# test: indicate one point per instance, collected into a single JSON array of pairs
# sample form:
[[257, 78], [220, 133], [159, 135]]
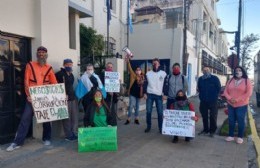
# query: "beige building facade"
[[25, 25]]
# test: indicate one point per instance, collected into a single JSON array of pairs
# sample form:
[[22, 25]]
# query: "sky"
[[227, 11]]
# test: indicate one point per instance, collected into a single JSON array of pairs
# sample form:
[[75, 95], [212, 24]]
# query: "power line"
[[235, 2]]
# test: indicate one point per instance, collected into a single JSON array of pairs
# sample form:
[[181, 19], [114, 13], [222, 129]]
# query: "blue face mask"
[[68, 69]]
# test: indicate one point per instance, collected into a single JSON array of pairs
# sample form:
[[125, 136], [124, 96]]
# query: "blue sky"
[[227, 11]]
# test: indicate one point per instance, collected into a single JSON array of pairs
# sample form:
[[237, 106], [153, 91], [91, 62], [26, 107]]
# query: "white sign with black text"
[[112, 83], [49, 102], [179, 123]]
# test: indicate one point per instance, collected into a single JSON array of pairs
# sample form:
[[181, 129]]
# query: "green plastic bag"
[[92, 139]]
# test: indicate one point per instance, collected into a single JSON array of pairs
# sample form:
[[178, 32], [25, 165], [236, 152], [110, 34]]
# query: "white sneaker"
[[47, 142], [12, 147], [229, 139], [240, 140]]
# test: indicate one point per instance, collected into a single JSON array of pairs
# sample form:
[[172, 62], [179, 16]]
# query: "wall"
[[17, 17]]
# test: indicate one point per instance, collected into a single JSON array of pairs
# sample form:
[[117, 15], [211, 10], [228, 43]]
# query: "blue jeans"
[[149, 107], [237, 114], [133, 102], [25, 123]]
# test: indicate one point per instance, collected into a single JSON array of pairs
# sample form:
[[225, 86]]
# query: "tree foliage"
[[91, 45], [247, 46]]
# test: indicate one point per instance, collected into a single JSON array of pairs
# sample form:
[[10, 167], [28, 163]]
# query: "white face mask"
[[239, 74], [90, 72]]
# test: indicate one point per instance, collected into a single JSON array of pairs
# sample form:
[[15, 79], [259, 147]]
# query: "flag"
[[130, 18], [108, 12]]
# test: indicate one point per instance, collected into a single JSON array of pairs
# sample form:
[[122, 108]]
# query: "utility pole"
[[185, 55], [128, 17], [238, 34], [184, 51]]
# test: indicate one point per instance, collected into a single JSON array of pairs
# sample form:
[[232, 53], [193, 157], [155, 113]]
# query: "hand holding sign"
[[179, 123]]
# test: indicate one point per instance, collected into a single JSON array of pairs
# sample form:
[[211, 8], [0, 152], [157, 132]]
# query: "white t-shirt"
[[155, 82]]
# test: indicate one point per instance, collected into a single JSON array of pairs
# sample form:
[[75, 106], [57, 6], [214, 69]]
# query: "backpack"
[[182, 78]]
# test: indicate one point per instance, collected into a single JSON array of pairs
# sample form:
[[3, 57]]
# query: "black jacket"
[[68, 80], [90, 113]]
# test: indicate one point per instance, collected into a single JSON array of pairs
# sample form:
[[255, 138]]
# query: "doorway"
[[14, 54]]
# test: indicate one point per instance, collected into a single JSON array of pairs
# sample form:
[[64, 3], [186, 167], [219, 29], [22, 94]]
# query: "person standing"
[[36, 73], [135, 91], [92, 82], [237, 92], [111, 98], [154, 93], [173, 83], [208, 87], [66, 76]]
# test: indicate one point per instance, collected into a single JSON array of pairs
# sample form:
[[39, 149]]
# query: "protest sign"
[[49, 102], [112, 83], [179, 123], [97, 139]]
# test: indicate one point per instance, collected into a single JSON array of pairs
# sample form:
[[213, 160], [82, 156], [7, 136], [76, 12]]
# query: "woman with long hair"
[[97, 113], [237, 92]]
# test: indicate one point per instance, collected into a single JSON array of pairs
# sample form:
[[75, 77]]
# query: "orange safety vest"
[[36, 74]]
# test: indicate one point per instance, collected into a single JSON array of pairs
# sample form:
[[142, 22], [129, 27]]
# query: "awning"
[[83, 12]]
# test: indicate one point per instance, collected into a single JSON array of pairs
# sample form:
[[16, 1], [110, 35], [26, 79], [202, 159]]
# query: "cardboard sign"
[[49, 102], [112, 83], [179, 123], [97, 139]]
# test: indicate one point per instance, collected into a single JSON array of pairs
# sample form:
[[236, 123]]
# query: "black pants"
[[209, 112]]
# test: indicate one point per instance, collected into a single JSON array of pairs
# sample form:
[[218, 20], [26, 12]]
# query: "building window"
[[212, 4], [111, 46], [204, 21], [210, 30], [72, 30], [112, 4]]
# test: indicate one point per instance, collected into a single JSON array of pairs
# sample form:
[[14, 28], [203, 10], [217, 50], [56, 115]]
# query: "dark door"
[[14, 54]]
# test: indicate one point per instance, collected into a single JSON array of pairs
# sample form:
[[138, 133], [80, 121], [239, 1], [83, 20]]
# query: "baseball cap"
[[67, 61], [41, 48]]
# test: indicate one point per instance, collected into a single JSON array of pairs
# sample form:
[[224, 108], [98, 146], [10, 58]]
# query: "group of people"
[[99, 106], [157, 86], [154, 86]]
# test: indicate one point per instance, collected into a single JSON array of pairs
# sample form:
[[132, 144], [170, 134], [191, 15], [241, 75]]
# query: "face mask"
[[238, 74], [98, 99], [176, 71], [180, 98], [109, 69], [90, 72], [206, 73], [155, 69], [68, 69]]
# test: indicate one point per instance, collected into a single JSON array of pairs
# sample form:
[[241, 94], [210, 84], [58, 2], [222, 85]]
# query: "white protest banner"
[[179, 123], [112, 83], [49, 102]]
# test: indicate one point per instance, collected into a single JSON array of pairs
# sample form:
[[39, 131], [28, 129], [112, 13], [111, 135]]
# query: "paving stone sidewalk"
[[136, 149]]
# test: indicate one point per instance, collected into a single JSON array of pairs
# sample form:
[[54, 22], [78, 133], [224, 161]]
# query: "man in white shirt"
[[154, 93]]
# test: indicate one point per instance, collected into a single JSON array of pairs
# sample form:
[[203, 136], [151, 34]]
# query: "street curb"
[[255, 137]]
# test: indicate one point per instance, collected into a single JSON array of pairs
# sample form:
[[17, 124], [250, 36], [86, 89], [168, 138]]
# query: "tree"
[[248, 45], [91, 45]]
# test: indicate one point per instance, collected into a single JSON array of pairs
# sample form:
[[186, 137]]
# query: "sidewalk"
[[136, 149]]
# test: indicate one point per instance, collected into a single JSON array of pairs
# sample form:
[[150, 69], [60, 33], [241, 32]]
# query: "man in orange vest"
[[36, 73]]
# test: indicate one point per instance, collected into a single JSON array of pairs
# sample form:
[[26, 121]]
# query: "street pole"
[[238, 38], [184, 52], [128, 17]]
